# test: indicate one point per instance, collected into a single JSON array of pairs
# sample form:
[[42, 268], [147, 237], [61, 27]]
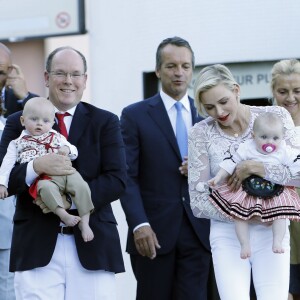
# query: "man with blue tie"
[[168, 246]]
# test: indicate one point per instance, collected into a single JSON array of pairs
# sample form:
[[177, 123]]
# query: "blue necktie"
[[181, 132]]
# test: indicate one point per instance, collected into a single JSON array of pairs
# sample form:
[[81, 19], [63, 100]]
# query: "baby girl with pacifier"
[[257, 197]]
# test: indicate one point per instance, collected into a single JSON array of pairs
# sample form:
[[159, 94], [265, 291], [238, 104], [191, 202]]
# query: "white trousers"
[[6, 278], [270, 270], [64, 278]]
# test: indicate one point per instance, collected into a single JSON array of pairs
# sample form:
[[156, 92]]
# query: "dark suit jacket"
[[101, 162], [12, 103], [156, 192]]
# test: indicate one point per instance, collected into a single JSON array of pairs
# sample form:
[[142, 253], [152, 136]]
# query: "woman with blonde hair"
[[285, 85], [228, 124]]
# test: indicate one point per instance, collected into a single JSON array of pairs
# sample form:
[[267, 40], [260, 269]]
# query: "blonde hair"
[[284, 67], [37, 102], [267, 118], [208, 78]]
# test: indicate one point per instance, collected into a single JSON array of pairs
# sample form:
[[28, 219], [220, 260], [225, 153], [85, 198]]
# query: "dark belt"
[[65, 230]]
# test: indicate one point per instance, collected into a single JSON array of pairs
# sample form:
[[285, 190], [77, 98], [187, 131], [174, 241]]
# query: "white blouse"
[[209, 144]]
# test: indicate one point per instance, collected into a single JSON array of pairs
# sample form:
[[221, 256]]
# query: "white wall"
[[124, 36]]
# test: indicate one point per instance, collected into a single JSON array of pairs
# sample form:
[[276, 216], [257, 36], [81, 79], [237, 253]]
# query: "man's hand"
[[64, 150], [53, 164], [184, 167], [16, 82], [146, 242], [3, 192], [38, 201]]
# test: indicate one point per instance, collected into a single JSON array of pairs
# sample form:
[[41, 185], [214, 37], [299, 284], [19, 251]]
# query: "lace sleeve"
[[281, 173], [199, 174]]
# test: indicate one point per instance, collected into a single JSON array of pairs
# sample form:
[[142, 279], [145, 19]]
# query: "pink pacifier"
[[269, 148]]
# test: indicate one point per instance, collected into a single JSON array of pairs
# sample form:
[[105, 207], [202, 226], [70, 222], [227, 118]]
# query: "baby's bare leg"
[[242, 232], [278, 227], [68, 219], [86, 231]]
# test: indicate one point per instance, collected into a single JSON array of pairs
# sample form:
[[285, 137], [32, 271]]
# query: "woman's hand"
[[242, 171]]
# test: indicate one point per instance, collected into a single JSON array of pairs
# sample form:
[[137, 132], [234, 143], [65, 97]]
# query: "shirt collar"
[[3, 93], [169, 101], [71, 111]]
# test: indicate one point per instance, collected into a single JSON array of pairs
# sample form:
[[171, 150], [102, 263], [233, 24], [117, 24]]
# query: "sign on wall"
[[21, 20], [253, 78]]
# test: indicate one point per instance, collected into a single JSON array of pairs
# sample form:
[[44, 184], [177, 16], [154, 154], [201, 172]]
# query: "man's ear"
[[157, 73], [46, 78], [9, 69], [22, 120]]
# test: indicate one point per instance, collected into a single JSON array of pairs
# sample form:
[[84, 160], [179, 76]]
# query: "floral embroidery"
[[29, 147]]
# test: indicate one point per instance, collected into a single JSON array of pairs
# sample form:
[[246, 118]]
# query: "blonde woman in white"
[[229, 123]]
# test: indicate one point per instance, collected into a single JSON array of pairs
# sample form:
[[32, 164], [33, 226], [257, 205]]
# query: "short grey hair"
[[176, 41], [52, 54]]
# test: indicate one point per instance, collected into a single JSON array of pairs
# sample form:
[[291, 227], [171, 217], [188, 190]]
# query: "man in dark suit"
[[169, 247], [13, 88], [51, 261], [13, 93]]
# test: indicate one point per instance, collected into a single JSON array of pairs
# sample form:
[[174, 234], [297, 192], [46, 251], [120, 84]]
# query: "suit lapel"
[[10, 100], [55, 126], [158, 113], [79, 124]]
